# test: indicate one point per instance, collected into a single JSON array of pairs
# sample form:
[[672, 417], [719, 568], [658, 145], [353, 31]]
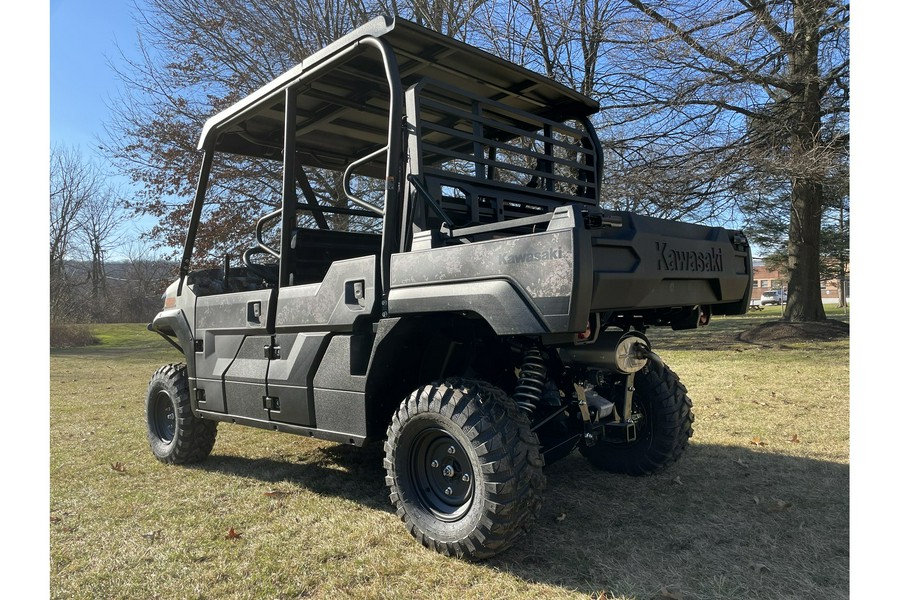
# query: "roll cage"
[[466, 144]]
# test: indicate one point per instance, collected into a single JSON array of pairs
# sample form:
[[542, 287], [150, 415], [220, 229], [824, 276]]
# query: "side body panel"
[[306, 318], [230, 367], [519, 285]]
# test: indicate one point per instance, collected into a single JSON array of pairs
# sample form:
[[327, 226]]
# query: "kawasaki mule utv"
[[422, 260]]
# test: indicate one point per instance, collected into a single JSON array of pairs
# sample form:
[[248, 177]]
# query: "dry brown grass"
[[757, 507], [70, 335]]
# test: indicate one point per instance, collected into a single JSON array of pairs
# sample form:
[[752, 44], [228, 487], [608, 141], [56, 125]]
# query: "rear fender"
[[412, 351]]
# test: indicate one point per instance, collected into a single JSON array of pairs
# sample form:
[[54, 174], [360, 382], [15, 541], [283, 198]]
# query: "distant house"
[[765, 279]]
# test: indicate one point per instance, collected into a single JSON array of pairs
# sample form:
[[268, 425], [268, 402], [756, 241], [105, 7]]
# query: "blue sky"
[[84, 35]]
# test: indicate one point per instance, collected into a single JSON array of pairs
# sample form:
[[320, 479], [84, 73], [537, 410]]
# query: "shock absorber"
[[532, 378]]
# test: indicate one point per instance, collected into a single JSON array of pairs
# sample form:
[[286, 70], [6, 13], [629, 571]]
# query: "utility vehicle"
[[401, 240]]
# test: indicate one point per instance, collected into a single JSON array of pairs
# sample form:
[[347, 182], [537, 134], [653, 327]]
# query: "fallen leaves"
[[118, 467], [560, 517], [154, 535], [678, 481], [759, 442], [232, 534]]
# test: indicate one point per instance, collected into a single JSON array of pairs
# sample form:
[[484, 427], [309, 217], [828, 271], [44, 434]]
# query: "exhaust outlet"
[[623, 353]]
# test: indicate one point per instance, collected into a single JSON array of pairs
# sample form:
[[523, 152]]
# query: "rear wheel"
[[662, 414], [463, 468], [174, 433]]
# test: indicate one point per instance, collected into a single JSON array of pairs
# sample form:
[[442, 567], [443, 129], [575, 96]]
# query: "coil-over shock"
[[532, 379]]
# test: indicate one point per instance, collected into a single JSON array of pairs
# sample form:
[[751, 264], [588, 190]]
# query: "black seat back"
[[315, 249]]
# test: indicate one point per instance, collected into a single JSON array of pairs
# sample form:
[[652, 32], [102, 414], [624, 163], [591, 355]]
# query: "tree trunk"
[[807, 195], [842, 293], [804, 289], [842, 263]]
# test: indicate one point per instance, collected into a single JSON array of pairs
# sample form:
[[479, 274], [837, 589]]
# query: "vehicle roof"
[[421, 54]]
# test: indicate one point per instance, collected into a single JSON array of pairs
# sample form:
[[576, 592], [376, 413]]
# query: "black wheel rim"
[[162, 417], [441, 474]]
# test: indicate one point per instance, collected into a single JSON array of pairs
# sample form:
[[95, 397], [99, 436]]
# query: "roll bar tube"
[[196, 209], [390, 237]]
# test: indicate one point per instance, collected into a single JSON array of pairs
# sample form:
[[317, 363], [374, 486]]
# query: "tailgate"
[[657, 263]]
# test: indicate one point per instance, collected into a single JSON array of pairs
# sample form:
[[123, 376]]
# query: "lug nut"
[[448, 471], [435, 464], [465, 477], [451, 450], [449, 491]]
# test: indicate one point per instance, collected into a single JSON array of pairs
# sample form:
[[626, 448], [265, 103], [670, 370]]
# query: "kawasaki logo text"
[[527, 257], [688, 260]]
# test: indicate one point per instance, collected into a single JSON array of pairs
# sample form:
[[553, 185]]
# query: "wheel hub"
[[163, 417], [442, 474]]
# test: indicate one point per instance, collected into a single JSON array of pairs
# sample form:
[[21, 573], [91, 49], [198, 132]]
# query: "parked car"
[[774, 297]]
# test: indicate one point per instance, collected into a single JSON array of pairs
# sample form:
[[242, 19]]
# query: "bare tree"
[[654, 163], [98, 233], [74, 181], [85, 216], [196, 58], [705, 106], [450, 17], [144, 275], [758, 92], [708, 108]]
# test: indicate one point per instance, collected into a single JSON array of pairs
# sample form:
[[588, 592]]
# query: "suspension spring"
[[532, 378]]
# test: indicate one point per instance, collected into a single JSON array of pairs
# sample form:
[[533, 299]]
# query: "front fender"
[[172, 322]]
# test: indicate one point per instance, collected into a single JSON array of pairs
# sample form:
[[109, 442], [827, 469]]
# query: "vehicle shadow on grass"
[[721, 334], [723, 522], [343, 471]]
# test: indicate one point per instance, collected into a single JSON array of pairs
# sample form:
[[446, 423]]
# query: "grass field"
[[756, 508]]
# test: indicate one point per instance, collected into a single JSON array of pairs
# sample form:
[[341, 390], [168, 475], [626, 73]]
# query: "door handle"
[[254, 311], [355, 294]]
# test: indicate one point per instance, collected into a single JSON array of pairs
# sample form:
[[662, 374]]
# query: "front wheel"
[[174, 433], [463, 468], [663, 420]]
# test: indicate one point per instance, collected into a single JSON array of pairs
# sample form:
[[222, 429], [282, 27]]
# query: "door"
[[232, 354], [306, 317]]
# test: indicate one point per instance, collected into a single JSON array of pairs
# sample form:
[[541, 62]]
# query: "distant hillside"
[[125, 292]]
